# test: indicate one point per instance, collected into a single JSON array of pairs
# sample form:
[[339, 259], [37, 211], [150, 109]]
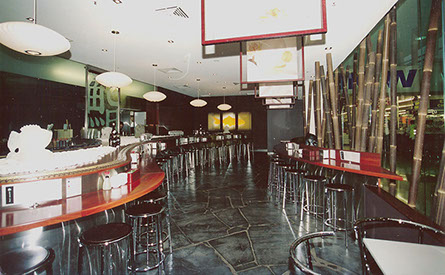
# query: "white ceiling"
[[145, 33]]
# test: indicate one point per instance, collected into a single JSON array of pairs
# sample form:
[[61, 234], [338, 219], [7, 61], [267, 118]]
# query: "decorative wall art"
[[244, 121], [229, 121], [102, 104], [214, 121], [251, 19]]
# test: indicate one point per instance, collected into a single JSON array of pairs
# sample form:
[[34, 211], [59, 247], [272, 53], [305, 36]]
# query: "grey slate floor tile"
[[224, 222]]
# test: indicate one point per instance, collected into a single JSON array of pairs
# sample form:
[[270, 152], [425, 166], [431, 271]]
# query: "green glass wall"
[[412, 26]]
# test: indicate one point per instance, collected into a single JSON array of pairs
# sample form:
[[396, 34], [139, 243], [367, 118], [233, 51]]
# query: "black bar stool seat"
[[339, 187], [105, 239], [315, 178], [106, 233], [27, 260], [154, 196]]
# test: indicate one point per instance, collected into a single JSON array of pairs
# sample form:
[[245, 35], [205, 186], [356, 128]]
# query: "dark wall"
[[26, 100], [239, 104], [284, 124]]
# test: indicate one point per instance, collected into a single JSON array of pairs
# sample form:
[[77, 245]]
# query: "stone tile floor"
[[223, 222]]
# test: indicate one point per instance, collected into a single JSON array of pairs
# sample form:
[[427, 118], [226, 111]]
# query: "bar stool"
[[110, 241], [313, 195], [27, 260], [147, 237], [281, 181], [163, 163], [158, 196], [273, 174], [339, 208], [295, 186]]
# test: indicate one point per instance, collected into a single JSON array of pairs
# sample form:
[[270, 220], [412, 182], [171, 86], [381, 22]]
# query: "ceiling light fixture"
[[154, 96], [198, 102], [224, 106], [114, 79], [31, 38], [117, 1]]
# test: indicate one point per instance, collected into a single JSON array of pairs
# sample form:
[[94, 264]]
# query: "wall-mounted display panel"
[[277, 107], [274, 90], [232, 20], [272, 60], [278, 101]]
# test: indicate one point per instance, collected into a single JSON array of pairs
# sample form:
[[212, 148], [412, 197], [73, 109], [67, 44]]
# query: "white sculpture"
[[29, 145]]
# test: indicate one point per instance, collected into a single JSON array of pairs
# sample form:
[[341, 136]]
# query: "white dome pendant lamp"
[[198, 102], [224, 106], [154, 96], [31, 38], [114, 79]]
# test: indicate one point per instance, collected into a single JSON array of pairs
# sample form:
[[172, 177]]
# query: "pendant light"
[[224, 106], [198, 102], [114, 79], [31, 38], [154, 96]]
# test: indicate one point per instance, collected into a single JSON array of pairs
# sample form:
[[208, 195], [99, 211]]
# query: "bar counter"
[[17, 219], [369, 168]]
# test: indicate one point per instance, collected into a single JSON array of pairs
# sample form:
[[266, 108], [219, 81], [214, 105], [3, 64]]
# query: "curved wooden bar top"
[[361, 169], [15, 219]]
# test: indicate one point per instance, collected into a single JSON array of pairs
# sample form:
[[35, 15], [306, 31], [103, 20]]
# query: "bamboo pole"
[[318, 104], [305, 130], [354, 99], [439, 195], [360, 95], [339, 102], [345, 77], [323, 129], [424, 99], [393, 96], [336, 90], [369, 85], [375, 94], [382, 98], [332, 91], [327, 109], [309, 105]]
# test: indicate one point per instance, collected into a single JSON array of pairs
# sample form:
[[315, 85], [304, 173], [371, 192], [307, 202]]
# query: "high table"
[[395, 257]]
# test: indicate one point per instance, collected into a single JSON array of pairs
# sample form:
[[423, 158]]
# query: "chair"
[[395, 230], [296, 249]]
